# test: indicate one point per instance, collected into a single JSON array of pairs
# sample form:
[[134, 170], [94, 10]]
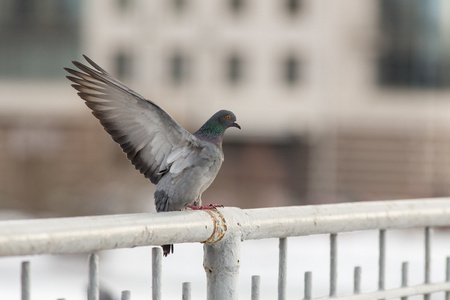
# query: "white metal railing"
[[222, 230]]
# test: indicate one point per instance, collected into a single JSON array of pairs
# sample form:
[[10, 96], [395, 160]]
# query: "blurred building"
[[338, 100]]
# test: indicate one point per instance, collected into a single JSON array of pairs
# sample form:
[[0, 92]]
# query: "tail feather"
[[162, 204], [167, 249]]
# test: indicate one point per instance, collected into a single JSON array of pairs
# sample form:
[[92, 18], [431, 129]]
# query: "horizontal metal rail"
[[396, 293], [222, 230], [91, 234]]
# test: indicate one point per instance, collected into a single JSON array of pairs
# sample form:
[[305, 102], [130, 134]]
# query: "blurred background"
[[338, 100]]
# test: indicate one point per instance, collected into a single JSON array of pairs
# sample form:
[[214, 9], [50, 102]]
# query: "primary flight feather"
[[181, 164]]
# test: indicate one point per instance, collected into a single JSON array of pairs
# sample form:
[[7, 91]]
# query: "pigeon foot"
[[210, 206]]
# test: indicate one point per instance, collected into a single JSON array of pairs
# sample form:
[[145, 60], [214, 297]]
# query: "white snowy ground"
[[54, 277]]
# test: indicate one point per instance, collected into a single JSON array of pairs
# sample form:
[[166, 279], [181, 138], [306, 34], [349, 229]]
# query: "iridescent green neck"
[[211, 131]]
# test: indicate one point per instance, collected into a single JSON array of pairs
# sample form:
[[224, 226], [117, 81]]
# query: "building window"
[[123, 65], [125, 5], [234, 69], [37, 37], [293, 7], [415, 45], [291, 70], [236, 6], [178, 67], [179, 5]]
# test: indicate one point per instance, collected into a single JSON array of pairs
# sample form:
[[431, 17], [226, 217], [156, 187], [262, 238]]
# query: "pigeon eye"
[[228, 117]]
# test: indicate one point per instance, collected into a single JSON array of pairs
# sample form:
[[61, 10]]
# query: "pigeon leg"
[[216, 205], [210, 206]]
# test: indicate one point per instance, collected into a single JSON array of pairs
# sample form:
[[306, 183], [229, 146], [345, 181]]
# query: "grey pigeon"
[[181, 164]]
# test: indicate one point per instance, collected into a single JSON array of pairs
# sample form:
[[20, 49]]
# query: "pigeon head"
[[215, 127], [226, 119]]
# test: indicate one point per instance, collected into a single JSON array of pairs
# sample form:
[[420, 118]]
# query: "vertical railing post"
[[25, 280], [427, 260], [125, 295], [256, 279], [308, 286], [357, 280], [282, 269], [156, 273], [93, 287], [333, 264], [221, 262], [186, 291], [447, 276], [381, 258], [404, 277]]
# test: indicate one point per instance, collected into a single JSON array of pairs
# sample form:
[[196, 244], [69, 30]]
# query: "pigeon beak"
[[236, 125]]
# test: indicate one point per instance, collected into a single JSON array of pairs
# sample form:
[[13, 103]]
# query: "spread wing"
[[146, 133]]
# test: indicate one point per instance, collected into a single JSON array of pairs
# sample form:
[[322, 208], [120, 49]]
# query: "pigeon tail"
[[167, 249]]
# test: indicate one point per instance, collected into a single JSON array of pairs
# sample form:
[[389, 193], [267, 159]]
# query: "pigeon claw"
[[210, 206]]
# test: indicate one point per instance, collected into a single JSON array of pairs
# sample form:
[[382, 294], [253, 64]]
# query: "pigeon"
[[181, 165]]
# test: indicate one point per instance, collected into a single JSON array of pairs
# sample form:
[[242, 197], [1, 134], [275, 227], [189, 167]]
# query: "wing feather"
[[144, 131]]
